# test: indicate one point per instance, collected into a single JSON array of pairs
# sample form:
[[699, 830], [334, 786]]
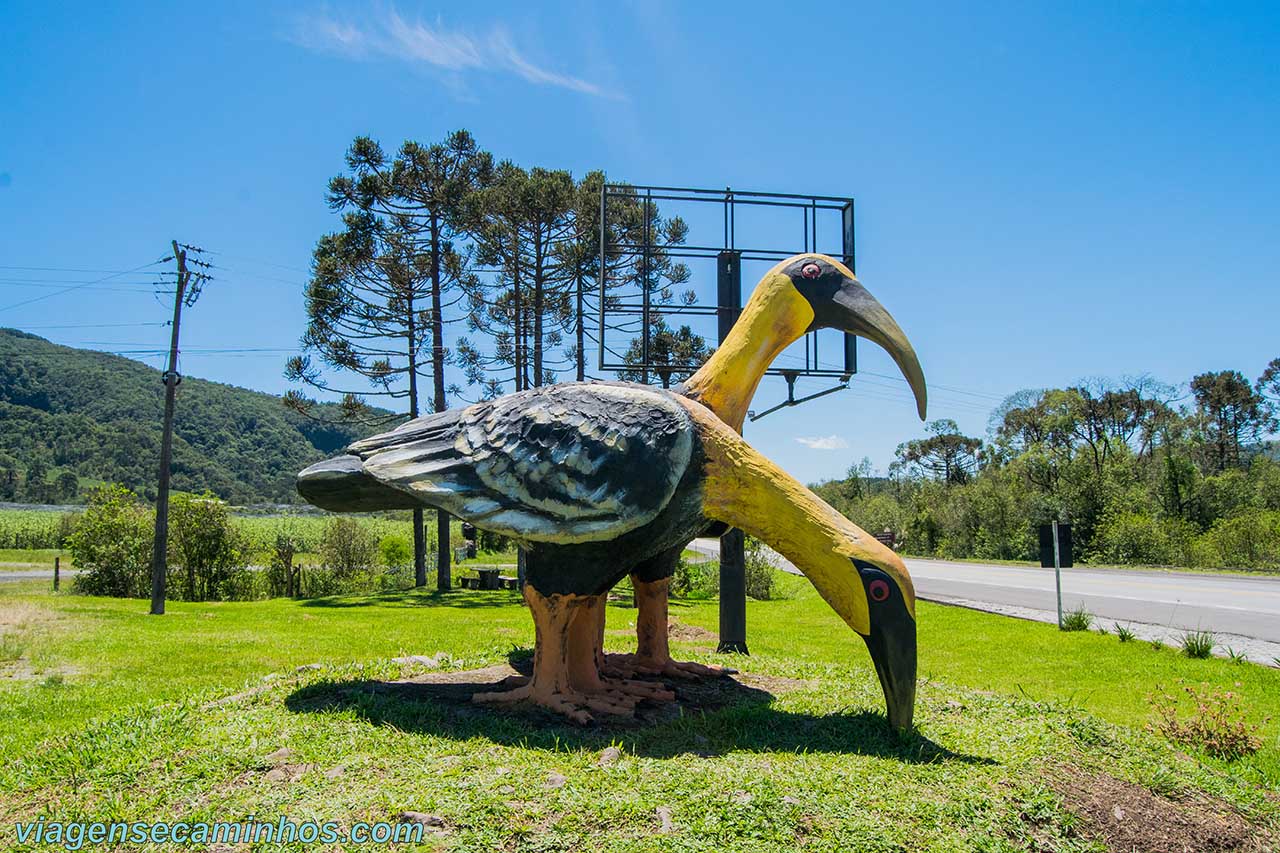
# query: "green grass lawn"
[[108, 713]]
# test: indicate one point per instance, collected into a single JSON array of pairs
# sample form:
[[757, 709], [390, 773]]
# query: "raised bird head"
[[802, 293], [839, 301]]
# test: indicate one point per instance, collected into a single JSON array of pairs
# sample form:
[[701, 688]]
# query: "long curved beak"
[[864, 316], [893, 651]]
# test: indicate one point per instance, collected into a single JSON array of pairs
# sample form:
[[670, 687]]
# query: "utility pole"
[[184, 293]]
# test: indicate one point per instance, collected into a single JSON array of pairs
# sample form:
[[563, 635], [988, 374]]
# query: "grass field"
[[108, 713]]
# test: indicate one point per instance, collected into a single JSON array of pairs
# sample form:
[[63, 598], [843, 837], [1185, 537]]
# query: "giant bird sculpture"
[[598, 480]]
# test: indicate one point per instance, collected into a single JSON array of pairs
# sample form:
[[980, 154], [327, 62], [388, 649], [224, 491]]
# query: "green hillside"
[[97, 416]]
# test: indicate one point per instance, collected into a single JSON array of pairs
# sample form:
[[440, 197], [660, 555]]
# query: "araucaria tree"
[[381, 286], [521, 223], [652, 277]]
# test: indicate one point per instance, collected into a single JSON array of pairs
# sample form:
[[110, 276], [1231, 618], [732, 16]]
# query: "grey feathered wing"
[[564, 463]]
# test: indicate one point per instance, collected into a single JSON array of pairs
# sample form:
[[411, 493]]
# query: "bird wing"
[[562, 463]]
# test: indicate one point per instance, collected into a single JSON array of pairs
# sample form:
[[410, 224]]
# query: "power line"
[[97, 326], [79, 286], [62, 269]]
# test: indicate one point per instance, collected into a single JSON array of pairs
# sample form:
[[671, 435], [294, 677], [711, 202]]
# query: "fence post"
[[57, 570]]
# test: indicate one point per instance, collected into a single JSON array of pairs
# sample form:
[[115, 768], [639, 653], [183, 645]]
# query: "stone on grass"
[[610, 756], [422, 818]]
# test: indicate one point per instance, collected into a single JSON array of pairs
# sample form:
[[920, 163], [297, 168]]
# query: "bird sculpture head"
[[890, 634], [801, 294]]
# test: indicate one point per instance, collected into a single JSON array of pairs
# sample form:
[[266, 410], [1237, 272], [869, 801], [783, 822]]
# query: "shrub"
[[695, 580], [1124, 632], [112, 544], [348, 550], [1204, 718], [1198, 644], [1248, 540], [206, 555], [1138, 537], [395, 552], [1077, 620], [761, 581]]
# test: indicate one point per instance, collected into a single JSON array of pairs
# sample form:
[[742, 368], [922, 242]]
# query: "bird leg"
[[587, 639], [556, 657], [653, 654]]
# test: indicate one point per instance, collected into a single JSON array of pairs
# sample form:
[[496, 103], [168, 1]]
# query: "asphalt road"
[[1221, 603], [33, 574]]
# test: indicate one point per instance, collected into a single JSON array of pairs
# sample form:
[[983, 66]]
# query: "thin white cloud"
[[386, 34], [826, 442]]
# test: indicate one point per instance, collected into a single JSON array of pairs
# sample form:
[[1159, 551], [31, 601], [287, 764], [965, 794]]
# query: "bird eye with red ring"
[[811, 270], [878, 589]]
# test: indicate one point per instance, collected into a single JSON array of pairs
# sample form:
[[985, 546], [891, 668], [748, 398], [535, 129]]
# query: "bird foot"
[[629, 666], [573, 704], [638, 691]]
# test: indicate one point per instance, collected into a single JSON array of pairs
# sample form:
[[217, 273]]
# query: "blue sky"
[[1045, 192]]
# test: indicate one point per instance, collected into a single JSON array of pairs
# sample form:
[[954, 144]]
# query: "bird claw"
[[638, 691], [628, 666], [574, 705]]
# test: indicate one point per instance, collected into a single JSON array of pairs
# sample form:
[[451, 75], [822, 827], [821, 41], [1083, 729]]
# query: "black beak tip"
[[894, 654]]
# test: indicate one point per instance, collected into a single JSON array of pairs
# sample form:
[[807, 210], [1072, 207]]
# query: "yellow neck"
[[775, 317], [744, 489]]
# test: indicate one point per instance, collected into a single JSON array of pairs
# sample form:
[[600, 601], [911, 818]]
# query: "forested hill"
[[66, 411]]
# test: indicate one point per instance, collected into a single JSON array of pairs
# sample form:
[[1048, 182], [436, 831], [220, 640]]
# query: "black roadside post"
[[733, 568]]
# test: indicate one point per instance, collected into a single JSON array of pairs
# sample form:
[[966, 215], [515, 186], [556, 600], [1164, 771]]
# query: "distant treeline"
[[73, 419], [1146, 474]]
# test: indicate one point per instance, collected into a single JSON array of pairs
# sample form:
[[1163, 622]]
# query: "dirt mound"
[[1128, 818], [690, 633]]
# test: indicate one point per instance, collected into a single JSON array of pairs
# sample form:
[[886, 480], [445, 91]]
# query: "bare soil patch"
[[1128, 818], [452, 690], [690, 633]]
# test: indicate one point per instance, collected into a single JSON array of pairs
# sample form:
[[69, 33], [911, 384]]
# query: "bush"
[[206, 555], [1077, 620], [348, 554], [111, 546], [1198, 644], [395, 552], [761, 582], [1248, 540], [1138, 537], [695, 580], [1204, 718]]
